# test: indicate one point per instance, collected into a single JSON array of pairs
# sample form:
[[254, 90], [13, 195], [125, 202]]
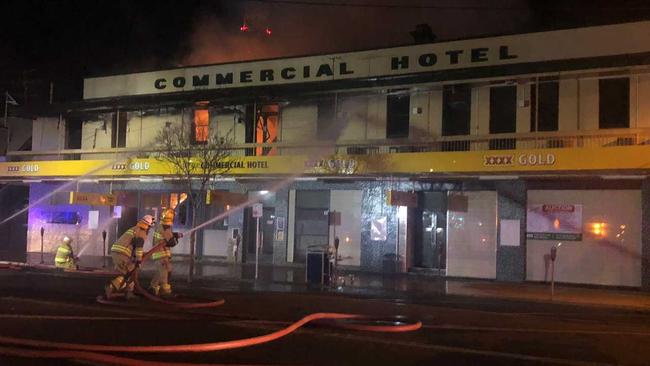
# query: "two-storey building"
[[469, 158]]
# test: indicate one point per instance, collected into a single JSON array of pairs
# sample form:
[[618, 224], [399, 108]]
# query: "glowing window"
[[201, 123], [266, 130]]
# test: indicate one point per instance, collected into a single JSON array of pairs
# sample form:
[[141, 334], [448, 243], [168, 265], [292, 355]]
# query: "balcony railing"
[[511, 141]]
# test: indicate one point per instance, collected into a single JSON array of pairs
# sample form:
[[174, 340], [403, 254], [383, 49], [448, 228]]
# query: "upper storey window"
[[397, 114], [544, 106], [614, 103], [201, 125]]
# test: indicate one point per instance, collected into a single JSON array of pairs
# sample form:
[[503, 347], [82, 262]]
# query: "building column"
[[511, 205], [645, 235]]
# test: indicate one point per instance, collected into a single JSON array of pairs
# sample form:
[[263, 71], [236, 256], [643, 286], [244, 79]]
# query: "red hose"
[[91, 356], [201, 347]]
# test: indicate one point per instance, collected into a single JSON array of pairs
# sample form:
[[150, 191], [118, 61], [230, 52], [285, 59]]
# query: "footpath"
[[292, 278]]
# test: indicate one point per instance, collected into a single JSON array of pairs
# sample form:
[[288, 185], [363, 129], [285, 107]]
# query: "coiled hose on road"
[[96, 353]]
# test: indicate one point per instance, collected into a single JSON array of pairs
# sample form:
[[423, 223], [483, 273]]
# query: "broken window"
[[201, 126], [267, 128], [118, 129]]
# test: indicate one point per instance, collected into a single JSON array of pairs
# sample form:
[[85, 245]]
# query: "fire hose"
[[90, 351], [134, 276], [96, 352]]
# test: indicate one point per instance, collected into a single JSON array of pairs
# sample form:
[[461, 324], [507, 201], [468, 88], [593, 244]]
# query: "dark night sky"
[[67, 40]]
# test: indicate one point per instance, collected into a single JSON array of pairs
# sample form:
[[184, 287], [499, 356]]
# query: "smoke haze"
[[300, 29]]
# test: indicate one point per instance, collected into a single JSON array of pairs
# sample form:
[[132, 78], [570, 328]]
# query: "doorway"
[[430, 242], [267, 235]]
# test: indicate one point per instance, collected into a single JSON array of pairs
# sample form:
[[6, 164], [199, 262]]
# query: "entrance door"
[[266, 231], [430, 246]]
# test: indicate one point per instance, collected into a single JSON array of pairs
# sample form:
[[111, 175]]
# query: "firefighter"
[[127, 255], [65, 256], [163, 239]]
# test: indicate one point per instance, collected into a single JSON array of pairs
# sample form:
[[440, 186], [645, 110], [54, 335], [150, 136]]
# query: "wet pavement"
[[458, 329], [412, 285]]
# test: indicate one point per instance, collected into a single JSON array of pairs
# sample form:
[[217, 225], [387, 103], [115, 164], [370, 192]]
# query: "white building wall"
[[96, 134], [376, 117], [298, 123], [523, 108], [48, 134], [226, 124], [643, 97], [426, 115], [356, 121], [613, 261], [588, 104], [568, 105]]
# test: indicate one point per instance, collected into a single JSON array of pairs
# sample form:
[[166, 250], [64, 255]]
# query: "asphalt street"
[[456, 330]]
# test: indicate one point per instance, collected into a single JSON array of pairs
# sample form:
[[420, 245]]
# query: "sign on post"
[[257, 210]]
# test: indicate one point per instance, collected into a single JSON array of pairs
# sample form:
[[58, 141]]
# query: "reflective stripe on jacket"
[[161, 235], [124, 245], [63, 254]]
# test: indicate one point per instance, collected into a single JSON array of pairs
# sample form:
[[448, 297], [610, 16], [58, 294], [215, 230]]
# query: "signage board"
[[554, 222], [399, 198], [566, 44], [480, 162], [92, 199], [226, 198], [257, 210]]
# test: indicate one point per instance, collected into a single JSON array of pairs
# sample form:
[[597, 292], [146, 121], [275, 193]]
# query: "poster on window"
[[554, 222], [378, 229]]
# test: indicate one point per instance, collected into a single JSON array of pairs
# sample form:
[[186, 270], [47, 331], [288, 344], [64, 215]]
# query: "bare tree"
[[195, 165]]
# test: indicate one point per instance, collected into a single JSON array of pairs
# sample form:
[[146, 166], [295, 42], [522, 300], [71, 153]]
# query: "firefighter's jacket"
[[64, 256], [129, 245], [166, 237]]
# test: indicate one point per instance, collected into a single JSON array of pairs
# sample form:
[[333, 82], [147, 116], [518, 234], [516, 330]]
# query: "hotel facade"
[[467, 158]]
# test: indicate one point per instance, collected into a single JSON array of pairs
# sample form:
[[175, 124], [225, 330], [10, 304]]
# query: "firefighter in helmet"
[[64, 255], [163, 239], [127, 255]]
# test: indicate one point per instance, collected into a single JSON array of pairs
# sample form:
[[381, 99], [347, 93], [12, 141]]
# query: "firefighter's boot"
[[166, 290], [154, 290]]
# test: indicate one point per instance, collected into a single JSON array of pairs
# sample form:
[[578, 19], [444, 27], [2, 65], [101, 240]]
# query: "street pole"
[[104, 249], [6, 126], [42, 233], [257, 245], [552, 279], [553, 257]]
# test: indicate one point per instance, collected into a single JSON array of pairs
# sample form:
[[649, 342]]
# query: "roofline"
[[459, 75], [357, 50]]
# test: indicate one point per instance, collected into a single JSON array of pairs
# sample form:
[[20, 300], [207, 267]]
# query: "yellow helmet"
[[67, 240], [167, 217]]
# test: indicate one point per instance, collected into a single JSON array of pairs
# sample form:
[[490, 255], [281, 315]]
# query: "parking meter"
[[42, 233], [336, 243], [104, 246], [553, 257]]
